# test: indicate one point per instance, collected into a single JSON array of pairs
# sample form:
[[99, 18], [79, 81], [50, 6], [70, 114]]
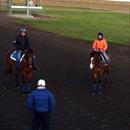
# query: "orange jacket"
[[100, 45]]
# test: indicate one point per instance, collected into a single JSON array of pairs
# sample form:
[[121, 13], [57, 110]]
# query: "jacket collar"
[[41, 87]]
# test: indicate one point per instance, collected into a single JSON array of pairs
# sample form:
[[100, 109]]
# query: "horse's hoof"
[[23, 94], [92, 93], [28, 94], [35, 69], [5, 88], [99, 93], [18, 87]]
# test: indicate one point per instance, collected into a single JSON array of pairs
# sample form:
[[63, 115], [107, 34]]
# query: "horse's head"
[[95, 60], [29, 58]]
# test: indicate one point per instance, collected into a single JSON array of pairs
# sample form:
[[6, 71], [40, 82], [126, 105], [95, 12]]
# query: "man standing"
[[41, 101]]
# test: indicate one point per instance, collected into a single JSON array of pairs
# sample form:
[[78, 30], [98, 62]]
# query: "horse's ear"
[[34, 50], [31, 50], [92, 54]]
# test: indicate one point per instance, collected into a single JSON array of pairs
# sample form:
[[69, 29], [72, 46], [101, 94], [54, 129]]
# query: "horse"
[[23, 68], [100, 72]]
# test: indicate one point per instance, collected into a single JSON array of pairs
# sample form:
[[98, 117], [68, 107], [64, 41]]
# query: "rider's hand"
[[25, 50], [95, 50]]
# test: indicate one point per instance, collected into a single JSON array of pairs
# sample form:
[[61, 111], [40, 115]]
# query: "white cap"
[[41, 82]]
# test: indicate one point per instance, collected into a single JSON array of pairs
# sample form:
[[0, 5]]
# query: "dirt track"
[[64, 63]]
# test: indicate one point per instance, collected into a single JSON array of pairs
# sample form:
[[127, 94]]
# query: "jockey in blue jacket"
[[22, 44], [21, 41]]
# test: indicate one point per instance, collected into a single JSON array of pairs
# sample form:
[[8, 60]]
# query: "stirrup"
[[106, 64]]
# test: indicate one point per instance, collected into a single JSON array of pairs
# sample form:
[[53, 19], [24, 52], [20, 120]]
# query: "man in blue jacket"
[[41, 101]]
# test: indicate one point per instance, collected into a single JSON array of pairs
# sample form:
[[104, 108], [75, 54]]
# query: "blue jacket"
[[41, 100]]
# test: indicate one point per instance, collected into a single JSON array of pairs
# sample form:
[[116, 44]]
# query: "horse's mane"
[[94, 53], [96, 56], [31, 51]]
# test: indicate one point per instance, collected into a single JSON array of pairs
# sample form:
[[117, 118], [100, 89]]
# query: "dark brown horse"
[[100, 72], [23, 69]]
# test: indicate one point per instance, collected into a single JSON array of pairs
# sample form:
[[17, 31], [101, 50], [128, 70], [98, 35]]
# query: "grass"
[[3, 9], [84, 24]]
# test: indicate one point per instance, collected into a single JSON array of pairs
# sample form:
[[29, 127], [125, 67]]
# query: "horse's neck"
[[98, 60]]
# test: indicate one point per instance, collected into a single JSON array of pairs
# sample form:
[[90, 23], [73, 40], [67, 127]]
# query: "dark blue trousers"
[[41, 120]]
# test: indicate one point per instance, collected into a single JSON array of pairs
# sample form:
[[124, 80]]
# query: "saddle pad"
[[16, 56]]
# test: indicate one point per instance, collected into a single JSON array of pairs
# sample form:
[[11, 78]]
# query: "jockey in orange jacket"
[[100, 45]]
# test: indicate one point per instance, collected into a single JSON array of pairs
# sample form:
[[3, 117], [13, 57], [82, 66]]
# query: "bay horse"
[[100, 72], [23, 69]]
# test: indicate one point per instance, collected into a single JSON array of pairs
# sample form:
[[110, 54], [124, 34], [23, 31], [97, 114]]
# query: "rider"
[[100, 45], [22, 45]]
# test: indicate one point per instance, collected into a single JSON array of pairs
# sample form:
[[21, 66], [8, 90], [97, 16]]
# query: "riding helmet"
[[23, 29], [100, 33]]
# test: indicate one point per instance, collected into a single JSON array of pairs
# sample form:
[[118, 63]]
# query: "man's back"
[[41, 100]]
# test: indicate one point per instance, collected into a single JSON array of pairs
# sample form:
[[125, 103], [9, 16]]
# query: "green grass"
[[84, 24], [3, 9]]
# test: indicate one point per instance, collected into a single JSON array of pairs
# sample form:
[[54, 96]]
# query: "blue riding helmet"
[[23, 29]]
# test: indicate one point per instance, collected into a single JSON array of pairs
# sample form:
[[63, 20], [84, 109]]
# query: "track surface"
[[64, 63]]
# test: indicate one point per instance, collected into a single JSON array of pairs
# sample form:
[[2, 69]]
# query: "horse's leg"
[[8, 68], [94, 85], [17, 75], [103, 79], [29, 78], [22, 84], [26, 80], [100, 86], [104, 76], [100, 82]]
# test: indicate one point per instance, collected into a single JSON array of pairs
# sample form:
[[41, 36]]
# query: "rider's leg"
[[34, 63], [105, 57], [18, 59]]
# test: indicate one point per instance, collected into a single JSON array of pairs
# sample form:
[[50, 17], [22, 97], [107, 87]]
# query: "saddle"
[[19, 56]]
